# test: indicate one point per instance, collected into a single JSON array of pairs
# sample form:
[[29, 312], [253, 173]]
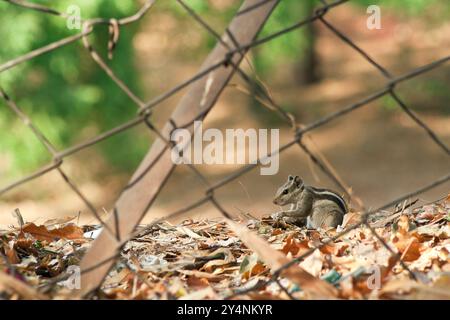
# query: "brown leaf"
[[328, 249], [275, 259], [257, 269], [294, 246], [409, 248], [196, 282], [403, 225], [250, 266], [11, 254], [276, 232], [25, 244], [70, 231], [406, 242], [340, 248]]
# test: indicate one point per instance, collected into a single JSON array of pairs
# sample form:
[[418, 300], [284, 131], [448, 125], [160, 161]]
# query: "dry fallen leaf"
[[226, 257], [11, 253], [250, 266], [70, 232], [405, 242], [294, 246], [196, 282], [313, 263]]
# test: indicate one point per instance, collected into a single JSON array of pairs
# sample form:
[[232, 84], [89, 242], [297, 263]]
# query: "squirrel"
[[310, 206]]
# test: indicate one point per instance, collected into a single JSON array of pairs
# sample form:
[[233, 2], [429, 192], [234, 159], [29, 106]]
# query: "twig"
[[395, 215]]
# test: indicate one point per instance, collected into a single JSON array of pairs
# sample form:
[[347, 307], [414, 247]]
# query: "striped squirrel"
[[317, 208]]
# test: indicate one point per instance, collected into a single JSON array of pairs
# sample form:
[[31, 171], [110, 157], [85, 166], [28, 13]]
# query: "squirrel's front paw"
[[277, 215], [279, 220]]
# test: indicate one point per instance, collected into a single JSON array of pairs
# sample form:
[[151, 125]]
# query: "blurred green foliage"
[[64, 92], [290, 47]]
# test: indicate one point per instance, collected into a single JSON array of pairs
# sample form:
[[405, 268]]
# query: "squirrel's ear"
[[290, 178], [298, 181]]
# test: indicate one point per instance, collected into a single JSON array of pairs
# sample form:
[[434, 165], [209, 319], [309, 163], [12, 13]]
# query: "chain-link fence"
[[233, 51]]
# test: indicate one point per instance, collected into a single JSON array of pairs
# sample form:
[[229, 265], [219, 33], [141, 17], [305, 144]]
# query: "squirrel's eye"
[[285, 192]]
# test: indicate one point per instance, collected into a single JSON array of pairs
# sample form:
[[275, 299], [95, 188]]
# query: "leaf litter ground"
[[220, 259]]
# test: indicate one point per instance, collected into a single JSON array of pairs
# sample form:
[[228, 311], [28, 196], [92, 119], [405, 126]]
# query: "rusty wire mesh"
[[144, 112]]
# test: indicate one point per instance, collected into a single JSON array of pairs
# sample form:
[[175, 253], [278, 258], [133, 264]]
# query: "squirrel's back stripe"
[[330, 195]]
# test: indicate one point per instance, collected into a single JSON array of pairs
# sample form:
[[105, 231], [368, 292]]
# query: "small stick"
[[394, 215]]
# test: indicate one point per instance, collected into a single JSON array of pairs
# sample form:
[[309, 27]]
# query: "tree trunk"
[[307, 68]]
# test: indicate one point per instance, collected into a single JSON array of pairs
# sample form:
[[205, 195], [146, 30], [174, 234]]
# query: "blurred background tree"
[[298, 50]]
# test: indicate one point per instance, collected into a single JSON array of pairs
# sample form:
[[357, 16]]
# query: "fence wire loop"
[[114, 32]]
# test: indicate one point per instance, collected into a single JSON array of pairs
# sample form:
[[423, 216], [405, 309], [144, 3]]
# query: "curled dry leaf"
[[70, 232], [196, 282], [294, 246], [250, 266], [406, 242], [11, 253], [218, 258], [340, 248], [276, 232]]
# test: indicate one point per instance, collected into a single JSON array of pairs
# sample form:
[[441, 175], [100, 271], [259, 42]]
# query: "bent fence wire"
[[262, 94]]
